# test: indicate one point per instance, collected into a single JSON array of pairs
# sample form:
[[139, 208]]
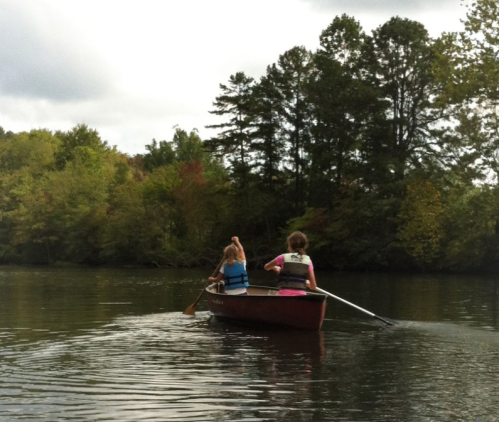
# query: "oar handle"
[[215, 273], [345, 301], [318, 289], [192, 308]]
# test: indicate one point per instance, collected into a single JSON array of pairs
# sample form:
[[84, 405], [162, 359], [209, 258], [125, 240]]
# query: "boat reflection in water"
[[263, 307], [280, 369], [281, 344]]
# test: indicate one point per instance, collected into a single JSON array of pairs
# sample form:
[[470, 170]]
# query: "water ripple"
[[138, 367], [98, 346]]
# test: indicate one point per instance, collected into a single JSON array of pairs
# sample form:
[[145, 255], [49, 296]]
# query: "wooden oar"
[[355, 306], [191, 309]]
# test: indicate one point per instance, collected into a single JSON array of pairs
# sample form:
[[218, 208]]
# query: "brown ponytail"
[[298, 242]]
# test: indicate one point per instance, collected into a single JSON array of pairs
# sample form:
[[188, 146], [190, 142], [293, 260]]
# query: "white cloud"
[[132, 69], [39, 62]]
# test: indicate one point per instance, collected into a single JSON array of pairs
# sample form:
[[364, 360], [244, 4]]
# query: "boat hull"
[[263, 307]]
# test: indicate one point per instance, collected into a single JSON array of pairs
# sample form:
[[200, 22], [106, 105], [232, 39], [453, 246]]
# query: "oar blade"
[[191, 310], [386, 321]]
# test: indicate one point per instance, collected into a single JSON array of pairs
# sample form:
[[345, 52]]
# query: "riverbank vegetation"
[[382, 147]]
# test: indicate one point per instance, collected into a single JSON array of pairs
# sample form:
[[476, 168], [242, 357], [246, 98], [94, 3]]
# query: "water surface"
[[107, 344]]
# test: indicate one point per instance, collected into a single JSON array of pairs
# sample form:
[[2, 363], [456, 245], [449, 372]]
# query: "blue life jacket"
[[294, 272], [235, 276]]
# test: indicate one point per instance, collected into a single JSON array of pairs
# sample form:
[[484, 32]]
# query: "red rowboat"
[[262, 306]]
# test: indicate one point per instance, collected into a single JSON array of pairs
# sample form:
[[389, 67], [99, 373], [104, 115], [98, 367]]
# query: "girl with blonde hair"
[[233, 270]]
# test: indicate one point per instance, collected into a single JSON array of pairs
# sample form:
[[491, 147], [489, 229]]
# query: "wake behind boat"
[[264, 307]]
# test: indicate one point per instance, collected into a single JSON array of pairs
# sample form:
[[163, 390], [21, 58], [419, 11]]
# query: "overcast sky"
[[133, 69]]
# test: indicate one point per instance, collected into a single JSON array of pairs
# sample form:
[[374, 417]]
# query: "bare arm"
[[311, 283], [236, 242], [272, 265], [215, 279], [269, 265]]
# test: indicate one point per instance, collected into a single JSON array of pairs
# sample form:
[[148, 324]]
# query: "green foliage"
[[363, 230], [341, 100], [127, 235], [172, 212], [294, 69], [34, 150], [267, 139], [80, 136], [189, 147], [421, 226], [5, 135], [159, 154], [315, 222], [382, 147], [401, 58], [234, 141], [63, 210], [70, 198], [470, 221]]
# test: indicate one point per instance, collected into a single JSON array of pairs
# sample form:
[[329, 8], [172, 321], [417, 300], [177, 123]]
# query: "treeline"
[[383, 148], [70, 197]]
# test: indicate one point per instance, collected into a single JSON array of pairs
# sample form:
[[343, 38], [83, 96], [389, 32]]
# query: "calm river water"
[[114, 345]]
